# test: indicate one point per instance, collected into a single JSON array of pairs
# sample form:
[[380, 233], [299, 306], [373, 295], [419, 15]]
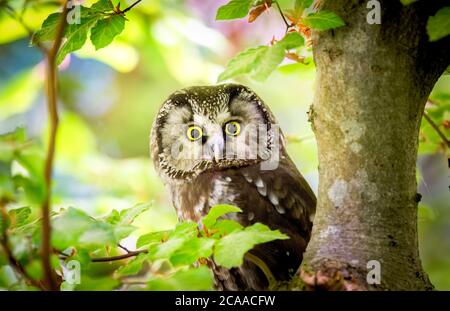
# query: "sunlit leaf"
[[152, 238], [103, 6], [48, 29], [230, 250], [193, 279], [133, 266], [268, 62], [76, 35], [225, 226], [97, 283], [234, 9], [438, 26], [243, 63], [76, 228], [300, 5], [19, 216], [217, 211], [407, 2], [192, 250], [291, 40], [323, 20], [127, 216], [105, 30]]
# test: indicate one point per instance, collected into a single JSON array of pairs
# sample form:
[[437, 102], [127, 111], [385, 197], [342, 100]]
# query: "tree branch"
[[437, 129], [50, 278], [119, 257]]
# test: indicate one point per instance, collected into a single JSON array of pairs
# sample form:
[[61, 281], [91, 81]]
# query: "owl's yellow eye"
[[232, 128], [194, 132]]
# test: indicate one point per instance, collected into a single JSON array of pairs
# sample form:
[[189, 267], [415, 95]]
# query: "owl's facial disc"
[[210, 128]]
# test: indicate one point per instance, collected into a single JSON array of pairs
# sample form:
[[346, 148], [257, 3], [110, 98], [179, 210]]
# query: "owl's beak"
[[215, 145]]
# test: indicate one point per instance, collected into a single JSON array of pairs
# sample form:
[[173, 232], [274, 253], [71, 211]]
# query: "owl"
[[222, 145]]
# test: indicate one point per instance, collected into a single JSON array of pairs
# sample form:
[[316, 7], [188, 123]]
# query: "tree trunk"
[[372, 85]]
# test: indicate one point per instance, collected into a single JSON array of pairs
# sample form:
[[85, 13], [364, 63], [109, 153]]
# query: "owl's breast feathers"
[[280, 199]]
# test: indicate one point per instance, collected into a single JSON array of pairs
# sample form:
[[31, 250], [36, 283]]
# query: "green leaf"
[[185, 230], [438, 26], [234, 9], [323, 20], [193, 279], [447, 71], [76, 35], [244, 62], [103, 6], [226, 226], [407, 2], [105, 30], [127, 216], [97, 283], [19, 216], [152, 238], [76, 228], [230, 250], [217, 211], [34, 269], [166, 249], [301, 5], [261, 61], [48, 29], [269, 62], [133, 266], [192, 250], [291, 40]]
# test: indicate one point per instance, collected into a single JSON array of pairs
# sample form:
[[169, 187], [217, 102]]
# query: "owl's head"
[[205, 128]]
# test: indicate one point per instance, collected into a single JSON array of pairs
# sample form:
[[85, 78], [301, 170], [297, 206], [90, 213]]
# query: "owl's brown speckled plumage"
[[279, 198]]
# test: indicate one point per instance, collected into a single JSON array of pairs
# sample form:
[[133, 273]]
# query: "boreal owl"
[[222, 145]]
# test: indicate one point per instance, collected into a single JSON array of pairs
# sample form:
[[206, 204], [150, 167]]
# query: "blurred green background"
[[108, 99]]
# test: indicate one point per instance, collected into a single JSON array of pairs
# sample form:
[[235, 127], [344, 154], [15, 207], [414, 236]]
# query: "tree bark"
[[372, 85]]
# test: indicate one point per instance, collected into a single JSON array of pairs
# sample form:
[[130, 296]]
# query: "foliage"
[[171, 259], [93, 192], [261, 61], [102, 20]]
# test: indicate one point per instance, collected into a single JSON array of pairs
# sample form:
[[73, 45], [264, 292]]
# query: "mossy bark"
[[372, 86]]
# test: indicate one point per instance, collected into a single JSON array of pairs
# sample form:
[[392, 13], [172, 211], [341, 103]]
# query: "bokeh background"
[[108, 99]]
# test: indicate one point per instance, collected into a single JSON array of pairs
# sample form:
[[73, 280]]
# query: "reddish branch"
[[436, 128], [50, 279]]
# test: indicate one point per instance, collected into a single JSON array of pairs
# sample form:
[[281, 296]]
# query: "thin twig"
[[130, 7], [262, 265], [119, 257], [435, 126], [437, 129], [124, 248], [282, 16], [48, 169]]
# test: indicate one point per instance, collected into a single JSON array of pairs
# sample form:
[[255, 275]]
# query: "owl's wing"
[[280, 199]]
